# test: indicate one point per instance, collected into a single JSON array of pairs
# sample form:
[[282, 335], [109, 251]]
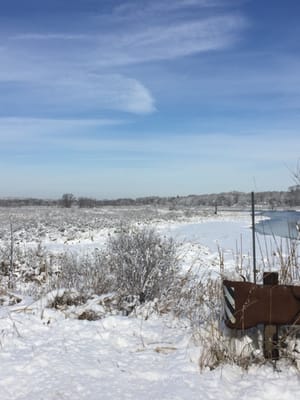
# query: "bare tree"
[[296, 173], [67, 200]]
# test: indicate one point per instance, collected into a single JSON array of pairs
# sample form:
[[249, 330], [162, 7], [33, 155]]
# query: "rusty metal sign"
[[248, 304]]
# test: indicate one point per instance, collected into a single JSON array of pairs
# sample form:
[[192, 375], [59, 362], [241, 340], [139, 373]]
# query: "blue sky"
[[108, 98]]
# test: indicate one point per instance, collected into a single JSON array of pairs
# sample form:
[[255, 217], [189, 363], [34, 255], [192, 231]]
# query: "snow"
[[122, 358], [213, 232], [47, 354], [114, 358]]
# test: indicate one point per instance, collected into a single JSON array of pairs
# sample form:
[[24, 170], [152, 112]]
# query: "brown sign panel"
[[247, 304]]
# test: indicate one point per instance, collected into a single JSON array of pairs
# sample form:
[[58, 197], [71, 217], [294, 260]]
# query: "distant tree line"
[[26, 202], [268, 199], [271, 199]]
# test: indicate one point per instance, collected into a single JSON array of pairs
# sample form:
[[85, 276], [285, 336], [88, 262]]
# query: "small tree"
[[67, 200], [143, 263]]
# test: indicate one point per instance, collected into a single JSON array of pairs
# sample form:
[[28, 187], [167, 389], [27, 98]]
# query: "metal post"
[[271, 349], [253, 236]]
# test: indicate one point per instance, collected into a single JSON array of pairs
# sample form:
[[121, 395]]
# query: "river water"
[[280, 223]]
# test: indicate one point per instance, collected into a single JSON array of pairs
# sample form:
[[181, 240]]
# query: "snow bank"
[[122, 358]]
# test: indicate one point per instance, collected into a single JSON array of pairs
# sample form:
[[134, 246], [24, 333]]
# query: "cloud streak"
[[188, 149], [169, 42], [17, 131], [70, 71], [73, 91], [151, 42], [133, 10], [49, 36]]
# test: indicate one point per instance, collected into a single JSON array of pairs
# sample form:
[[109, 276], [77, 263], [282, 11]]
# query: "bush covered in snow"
[[87, 274], [137, 264], [142, 262]]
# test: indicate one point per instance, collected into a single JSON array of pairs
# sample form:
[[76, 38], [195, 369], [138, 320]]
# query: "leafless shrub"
[[30, 267], [88, 274], [143, 263]]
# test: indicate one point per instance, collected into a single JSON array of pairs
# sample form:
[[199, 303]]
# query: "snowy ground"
[[123, 358], [45, 355]]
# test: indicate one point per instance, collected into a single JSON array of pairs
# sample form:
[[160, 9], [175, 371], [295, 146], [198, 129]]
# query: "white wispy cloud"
[[56, 70], [218, 148], [49, 36], [133, 9], [169, 42], [100, 91], [214, 145], [155, 164], [31, 131], [150, 42], [54, 84]]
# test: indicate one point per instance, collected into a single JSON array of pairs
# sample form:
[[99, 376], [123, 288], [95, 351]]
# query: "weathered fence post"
[[253, 235], [271, 350]]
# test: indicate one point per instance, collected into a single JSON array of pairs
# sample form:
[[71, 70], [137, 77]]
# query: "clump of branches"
[[296, 173], [143, 263], [137, 262], [87, 274]]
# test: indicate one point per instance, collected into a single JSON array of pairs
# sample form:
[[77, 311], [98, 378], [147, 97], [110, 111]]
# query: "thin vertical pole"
[[253, 236], [11, 258]]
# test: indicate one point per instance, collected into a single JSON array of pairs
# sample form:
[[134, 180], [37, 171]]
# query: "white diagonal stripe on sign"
[[229, 314], [229, 297]]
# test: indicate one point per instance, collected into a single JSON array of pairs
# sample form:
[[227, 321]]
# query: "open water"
[[280, 223]]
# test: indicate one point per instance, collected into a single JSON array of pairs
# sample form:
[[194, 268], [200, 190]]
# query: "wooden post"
[[271, 350], [253, 235]]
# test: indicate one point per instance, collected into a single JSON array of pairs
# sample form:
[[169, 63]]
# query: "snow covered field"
[[48, 353]]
